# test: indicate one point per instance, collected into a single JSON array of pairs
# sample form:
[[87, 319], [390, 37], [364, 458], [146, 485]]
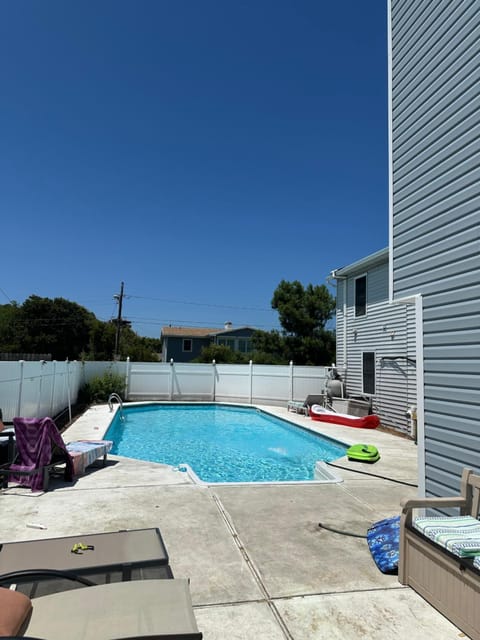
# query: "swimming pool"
[[221, 443]]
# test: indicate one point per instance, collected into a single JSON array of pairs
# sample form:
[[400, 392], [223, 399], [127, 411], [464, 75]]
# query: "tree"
[[268, 347], [59, 327], [65, 329], [8, 324], [221, 354], [303, 314], [101, 341], [138, 348], [303, 311]]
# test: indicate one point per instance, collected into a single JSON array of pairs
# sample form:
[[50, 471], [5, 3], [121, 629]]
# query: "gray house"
[[375, 347], [435, 222], [184, 344]]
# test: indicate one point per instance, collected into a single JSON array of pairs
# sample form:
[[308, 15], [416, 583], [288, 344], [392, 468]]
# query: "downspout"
[[335, 276], [420, 394], [390, 150]]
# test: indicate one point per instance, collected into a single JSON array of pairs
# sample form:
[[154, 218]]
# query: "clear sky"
[[199, 150]]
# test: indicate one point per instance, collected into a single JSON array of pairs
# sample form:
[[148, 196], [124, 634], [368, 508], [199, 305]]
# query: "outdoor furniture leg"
[[46, 478]]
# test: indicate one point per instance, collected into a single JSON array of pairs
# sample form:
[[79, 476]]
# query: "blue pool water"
[[221, 443]]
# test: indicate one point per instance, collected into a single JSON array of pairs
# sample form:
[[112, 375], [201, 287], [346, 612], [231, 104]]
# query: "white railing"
[[38, 389]]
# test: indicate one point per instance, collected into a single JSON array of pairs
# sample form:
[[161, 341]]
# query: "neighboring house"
[[435, 222], [237, 339], [184, 344], [376, 341]]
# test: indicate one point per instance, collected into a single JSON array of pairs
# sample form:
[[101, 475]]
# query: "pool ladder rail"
[[115, 396]]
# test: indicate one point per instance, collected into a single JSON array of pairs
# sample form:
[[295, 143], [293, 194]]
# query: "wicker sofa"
[[448, 582]]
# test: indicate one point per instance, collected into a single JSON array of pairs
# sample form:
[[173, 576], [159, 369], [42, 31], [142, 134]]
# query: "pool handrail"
[[115, 396]]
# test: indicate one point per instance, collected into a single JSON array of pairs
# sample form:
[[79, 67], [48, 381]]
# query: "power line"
[[190, 323], [11, 302], [201, 304]]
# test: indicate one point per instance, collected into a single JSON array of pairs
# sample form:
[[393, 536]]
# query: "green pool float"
[[363, 453]]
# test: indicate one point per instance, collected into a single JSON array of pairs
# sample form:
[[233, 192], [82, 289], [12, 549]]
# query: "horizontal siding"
[[388, 330], [441, 243], [436, 127], [439, 48], [339, 323], [436, 217], [456, 366], [442, 272]]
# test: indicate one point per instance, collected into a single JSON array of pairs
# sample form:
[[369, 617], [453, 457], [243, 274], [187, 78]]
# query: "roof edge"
[[368, 261]]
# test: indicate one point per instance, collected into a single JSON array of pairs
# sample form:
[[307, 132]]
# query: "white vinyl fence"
[[246, 383], [37, 389]]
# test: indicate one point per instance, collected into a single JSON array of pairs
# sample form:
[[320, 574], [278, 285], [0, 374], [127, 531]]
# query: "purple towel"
[[35, 440]]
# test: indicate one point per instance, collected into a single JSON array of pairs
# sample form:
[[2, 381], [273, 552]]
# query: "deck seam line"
[[251, 566]]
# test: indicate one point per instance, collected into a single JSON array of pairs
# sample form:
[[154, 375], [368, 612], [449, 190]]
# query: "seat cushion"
[[15, 607], [459, 535]]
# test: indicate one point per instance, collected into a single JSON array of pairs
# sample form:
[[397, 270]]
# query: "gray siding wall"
[[389, 331], [435, 145]]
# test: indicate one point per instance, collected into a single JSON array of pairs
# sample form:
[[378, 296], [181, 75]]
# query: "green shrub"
[[100, 387], [221, 354]]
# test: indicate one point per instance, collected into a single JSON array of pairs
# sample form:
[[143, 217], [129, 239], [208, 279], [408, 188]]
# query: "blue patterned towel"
[[383, 540], [459, 535], [85, 452]]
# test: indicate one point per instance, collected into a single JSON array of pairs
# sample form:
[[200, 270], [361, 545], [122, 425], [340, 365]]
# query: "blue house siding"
[[237, 339], [175, 348], [173, 339], [435, 217]]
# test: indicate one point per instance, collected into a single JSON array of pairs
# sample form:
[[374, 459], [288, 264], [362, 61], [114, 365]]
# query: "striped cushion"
[[476, 562], [85, 452], [460, 536]]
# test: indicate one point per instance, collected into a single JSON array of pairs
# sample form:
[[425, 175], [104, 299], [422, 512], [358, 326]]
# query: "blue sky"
[[199, 151]]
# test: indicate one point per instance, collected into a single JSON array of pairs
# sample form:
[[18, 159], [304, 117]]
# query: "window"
[[361, 296], [227, 342], [187, 344], [368, 372], [244, 345]]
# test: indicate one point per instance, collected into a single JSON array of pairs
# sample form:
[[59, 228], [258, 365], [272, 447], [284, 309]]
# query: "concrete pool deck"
[[258, 563]]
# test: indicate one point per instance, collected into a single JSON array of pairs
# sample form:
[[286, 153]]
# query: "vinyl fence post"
[[291, 380], [20, 389], [251, 380], [172, 373], [127, 377], [214, 370], [39, 401], [52, 395], [68, 391]]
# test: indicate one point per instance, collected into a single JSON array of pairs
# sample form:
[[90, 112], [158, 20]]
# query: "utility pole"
[[119, 298]]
